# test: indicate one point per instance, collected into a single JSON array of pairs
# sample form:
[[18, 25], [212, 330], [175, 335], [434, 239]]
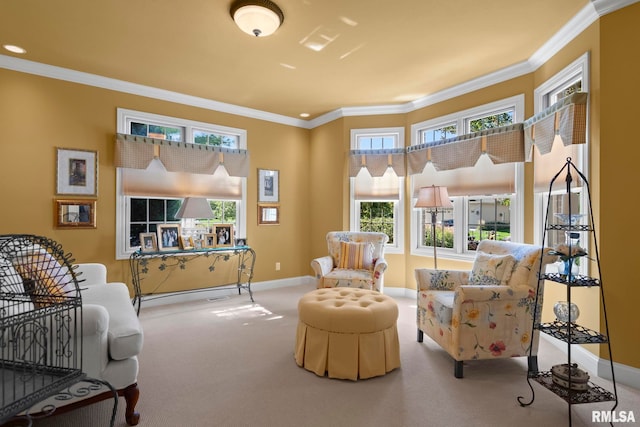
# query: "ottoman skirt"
[[347, 333]]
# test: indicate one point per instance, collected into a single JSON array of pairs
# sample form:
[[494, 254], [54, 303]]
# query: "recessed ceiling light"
[[14, 49], [304, 114]]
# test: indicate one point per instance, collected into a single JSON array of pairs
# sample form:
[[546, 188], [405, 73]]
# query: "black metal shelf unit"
[[568, 331]]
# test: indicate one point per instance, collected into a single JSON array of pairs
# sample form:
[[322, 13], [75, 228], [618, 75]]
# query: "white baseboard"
[[626, 375], [213, 293]]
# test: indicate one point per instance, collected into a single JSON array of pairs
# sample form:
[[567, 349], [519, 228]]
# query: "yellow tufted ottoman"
[[347, 333]]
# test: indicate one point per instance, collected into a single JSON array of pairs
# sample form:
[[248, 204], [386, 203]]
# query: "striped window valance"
[[501, 145], [137, 152], [566, 119], [377, 161]]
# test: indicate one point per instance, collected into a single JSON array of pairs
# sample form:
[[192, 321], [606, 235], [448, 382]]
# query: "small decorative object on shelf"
[[570, 377], [566, 311], [566, 380]]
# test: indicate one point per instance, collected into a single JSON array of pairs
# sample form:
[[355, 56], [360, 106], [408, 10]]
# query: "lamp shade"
[[433, 197], [258, 18], [195, 207]]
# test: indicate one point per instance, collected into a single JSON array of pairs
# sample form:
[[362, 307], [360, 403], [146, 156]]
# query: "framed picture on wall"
[[224, 235], [268, 186], [78, 213], [77, 172]]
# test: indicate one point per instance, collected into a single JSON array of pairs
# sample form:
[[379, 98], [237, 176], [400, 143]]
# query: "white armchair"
[[487, 312], [112, 336], [356, 259]]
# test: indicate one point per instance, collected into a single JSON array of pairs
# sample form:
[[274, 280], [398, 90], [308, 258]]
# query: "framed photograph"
[[209, 240], [148, 242], [268, 214], [79, 213], [169, 237], [186, 243], [77, 172], [241, 241], [268, 186], [223, 234]]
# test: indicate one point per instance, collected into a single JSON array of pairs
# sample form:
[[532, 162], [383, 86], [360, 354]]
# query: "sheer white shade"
[[195, 207], [433, 197]]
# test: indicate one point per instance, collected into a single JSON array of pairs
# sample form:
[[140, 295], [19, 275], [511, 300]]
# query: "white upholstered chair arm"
[[440, 280], [322, 266], [95, 340]]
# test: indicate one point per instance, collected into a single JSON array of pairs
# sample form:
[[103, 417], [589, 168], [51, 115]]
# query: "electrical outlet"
[[277, 266]]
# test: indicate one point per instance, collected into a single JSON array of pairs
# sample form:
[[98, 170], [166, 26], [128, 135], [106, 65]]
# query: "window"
[[140, 209], [574, 78], [376, 202], [483, 195]]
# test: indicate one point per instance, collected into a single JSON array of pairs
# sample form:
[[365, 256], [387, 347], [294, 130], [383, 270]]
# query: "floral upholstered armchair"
[[487, 312], [356, 260]]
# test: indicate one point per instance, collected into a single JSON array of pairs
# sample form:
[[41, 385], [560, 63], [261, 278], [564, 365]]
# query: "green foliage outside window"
[[377, 217]]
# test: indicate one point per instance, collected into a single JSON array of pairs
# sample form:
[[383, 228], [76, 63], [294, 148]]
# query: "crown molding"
[[587, 16], [59, 73]]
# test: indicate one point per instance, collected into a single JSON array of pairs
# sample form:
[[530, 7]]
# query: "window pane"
[[378, 217], [156, 131], [376, 142], [217, 139], [156, 210], [488, 219], [438, 134], [138, 210], [134, 233], [444, 229], [491, 121], [173, 206]]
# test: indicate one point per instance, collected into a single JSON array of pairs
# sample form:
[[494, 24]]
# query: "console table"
[[167, 261]]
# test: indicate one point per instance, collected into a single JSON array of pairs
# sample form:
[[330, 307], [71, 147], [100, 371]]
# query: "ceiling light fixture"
[[258, 18]]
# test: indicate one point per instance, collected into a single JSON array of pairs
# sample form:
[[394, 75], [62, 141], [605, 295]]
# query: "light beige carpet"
[[229, 362]]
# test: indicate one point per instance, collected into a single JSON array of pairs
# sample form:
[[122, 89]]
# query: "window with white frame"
[[574, 78], [152, 196], [483, 195], [376, 202]]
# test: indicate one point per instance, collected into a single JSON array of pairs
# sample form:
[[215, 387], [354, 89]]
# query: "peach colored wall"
[[39, 114]]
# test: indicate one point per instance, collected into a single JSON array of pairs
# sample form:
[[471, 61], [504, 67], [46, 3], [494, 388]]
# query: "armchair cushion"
[[491, 269], [356, 256]]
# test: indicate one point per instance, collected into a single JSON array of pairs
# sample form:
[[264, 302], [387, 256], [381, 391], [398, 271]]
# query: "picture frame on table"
[[241, 241], [186, 243], [75, 213], [169, 237], [148, 242], [224, 235], [209, 240], [76, 172], [268, 186]]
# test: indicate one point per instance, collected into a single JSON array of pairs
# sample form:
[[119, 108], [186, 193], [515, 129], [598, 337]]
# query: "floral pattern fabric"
[[482, 321], [328, 274]]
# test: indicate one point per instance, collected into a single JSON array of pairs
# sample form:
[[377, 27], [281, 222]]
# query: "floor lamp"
[[433, 198]]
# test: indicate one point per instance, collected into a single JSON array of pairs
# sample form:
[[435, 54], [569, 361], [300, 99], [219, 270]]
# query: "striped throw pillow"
[[356, 256]]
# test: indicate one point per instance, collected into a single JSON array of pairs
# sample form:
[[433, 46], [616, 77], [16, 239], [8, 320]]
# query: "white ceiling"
[[377, 52]]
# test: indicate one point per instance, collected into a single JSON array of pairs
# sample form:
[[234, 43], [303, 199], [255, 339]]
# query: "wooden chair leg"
[[457, 368], [131, 395]]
